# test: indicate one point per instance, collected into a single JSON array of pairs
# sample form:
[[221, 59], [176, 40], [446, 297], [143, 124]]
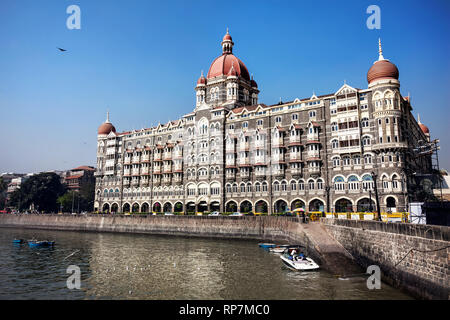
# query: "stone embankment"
[[411, 257]]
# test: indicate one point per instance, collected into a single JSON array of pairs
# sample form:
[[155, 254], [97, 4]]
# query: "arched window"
[[336, 162], [365, 122], [319, 184], [276, 186], [367, 159], [353, 183], [335, 144], [301, 185], [339, 183], [334, 126], [283, 186], [346, 160], [293, 186], [311, 184], [365, 141], [264, 186]]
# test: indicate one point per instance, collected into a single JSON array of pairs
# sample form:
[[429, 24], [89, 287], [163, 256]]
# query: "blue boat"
[[266, 245], [35, 243], [18, 241]]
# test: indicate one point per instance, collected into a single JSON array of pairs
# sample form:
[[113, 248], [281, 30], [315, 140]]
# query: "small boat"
[[277, 249], [36, 243], [298, 262], [18, 241], [267, 245]]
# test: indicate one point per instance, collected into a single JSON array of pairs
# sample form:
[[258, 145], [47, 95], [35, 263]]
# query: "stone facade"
[[235, 154], [423, 272]]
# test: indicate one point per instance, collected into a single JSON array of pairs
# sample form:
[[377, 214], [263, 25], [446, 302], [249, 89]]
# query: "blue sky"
[[141, 60]]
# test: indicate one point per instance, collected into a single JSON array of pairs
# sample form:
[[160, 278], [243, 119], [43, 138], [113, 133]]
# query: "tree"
[[3, 188], [41, 190]]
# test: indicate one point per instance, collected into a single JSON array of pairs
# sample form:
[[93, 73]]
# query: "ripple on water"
[[127, 266]]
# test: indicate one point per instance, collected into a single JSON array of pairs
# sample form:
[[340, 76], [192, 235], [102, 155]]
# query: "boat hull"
[[267, 245], [304, 265]]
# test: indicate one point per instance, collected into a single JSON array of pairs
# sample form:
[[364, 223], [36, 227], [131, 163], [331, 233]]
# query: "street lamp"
[[374, 177], [327, 190], [366, 188]]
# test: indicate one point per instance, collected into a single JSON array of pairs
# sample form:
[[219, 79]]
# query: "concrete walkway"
[[335, 258]]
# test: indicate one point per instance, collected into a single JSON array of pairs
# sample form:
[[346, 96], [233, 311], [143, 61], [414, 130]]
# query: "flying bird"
[[61, 49]]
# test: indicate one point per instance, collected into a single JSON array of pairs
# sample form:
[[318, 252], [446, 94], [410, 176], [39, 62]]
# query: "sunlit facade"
[[232, 153]]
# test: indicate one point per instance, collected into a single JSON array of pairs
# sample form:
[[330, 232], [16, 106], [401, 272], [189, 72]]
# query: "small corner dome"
[[106, 128], [424, 128], [382, 68]]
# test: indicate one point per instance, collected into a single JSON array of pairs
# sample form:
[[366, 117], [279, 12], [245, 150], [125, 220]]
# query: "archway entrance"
[[343, 205], [202, 206], [280, 206], [167, 207], [231, 207], [145, 207], [114, 208], [214, 206], [190, 208], [296, 204], [366, 205], [246, 207], [391, 204], [316, 205], [261, 207], [105, 208], [126, 207], [135, 207], [178, 207], [157, 207]]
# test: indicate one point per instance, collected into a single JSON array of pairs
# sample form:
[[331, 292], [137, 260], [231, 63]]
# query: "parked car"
[[214, 213], [168, 214], [249, 214], [236, 214]]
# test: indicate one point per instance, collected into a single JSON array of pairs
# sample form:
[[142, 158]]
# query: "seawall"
[[343, 247], [412, 257]]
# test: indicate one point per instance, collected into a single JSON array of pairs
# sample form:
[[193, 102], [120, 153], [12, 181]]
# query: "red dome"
[[253, 83], [424, 128], [201, 80], [227, 37], [382, 69], [106, 128], [221, 66]]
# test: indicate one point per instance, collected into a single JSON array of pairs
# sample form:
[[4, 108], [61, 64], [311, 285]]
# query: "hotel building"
[[233, 153]]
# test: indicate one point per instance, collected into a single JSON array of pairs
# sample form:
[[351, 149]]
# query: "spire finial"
[[227, 31], [202, 73], [107, 116], [418, 119], [380, 50]]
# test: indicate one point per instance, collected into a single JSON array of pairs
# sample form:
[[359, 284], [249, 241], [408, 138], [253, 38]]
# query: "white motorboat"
[[277, 249], [299, 263]]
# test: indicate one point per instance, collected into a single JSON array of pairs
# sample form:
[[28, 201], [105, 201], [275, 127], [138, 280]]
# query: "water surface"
[[130, 266]]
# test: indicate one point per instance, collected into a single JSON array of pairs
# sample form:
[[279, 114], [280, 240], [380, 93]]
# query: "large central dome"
[[221, 66]]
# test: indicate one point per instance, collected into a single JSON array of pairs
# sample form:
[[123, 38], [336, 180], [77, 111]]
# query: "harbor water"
[[132, 266]]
